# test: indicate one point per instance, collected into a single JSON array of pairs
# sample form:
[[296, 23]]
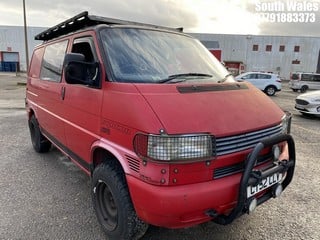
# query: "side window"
[[264, 76], [84, 46], [306, 77], [52, 62], [248, 76], [253, 76], [316, 78], [35, 65]]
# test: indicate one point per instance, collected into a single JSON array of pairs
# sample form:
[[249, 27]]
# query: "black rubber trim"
[[70, 153], [249, 175], [238, 167]]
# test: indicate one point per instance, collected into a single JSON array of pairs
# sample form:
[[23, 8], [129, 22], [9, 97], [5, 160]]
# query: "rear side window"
[[264, 76], [34, 70], [316, 78], [52, 62], [310, 77]]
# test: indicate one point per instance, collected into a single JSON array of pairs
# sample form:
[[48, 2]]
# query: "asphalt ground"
[[45, 196]]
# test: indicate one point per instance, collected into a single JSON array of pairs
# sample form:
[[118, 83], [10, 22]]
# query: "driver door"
[[83, 107]]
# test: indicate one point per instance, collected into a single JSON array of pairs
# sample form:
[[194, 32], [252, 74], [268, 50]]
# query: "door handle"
[[63, 93]]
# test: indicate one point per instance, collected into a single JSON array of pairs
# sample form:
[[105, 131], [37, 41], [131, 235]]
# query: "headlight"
[[286, 123], [174, 147]]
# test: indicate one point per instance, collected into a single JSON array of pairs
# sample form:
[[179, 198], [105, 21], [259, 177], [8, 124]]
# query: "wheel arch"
[[129, 225], [102, 152], [270, 85], [30, 113]]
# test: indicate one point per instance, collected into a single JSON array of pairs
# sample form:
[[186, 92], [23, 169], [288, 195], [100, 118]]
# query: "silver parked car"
[[304, 81], [309, 103], [268, 82]]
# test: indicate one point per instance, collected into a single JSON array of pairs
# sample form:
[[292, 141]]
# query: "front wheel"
[[270, 90], [112, 204], [303, 89], [39, 142]]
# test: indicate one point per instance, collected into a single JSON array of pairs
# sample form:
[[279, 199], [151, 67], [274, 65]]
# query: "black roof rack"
[[83, 20]]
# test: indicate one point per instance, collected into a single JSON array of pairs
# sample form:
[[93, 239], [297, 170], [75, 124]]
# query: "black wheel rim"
[[107, 208]]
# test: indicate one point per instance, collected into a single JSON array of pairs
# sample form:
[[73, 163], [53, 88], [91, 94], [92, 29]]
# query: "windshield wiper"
[[183, 75]]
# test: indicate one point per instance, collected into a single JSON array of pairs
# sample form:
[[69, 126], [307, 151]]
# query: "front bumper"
[[220, 200], [308, 109]]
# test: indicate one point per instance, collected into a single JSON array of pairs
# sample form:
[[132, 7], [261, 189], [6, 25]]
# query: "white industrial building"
[[279, 54], [12, 45]]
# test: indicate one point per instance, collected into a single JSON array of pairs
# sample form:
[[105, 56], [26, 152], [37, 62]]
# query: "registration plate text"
[[264, 184]]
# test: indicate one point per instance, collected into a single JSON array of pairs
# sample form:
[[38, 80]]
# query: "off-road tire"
[[113, 205], [39, 142]]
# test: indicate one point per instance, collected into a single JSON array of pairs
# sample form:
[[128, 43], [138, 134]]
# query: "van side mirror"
[[77, 71]]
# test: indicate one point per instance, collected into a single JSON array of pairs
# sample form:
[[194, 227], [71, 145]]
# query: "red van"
[[166, 134]]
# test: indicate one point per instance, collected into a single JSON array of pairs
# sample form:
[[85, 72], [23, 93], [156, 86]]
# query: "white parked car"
[[304, 81], [268, 82], [309, 103]]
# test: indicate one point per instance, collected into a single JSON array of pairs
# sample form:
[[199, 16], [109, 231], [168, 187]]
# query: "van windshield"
[[149, 56]]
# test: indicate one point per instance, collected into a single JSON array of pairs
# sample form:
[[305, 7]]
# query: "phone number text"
[[300, 17]]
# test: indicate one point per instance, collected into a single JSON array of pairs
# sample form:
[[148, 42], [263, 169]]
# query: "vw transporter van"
[[166, 134]]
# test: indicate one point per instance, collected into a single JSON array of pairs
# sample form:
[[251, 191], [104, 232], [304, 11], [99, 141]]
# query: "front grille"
[[232, 144], [302, 102]]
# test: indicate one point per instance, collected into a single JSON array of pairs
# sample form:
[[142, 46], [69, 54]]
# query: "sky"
[[252, 17]]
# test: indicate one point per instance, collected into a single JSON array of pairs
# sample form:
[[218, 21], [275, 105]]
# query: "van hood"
[[219, 109]]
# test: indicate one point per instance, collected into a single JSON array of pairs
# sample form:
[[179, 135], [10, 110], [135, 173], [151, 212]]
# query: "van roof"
[[83, 20]]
